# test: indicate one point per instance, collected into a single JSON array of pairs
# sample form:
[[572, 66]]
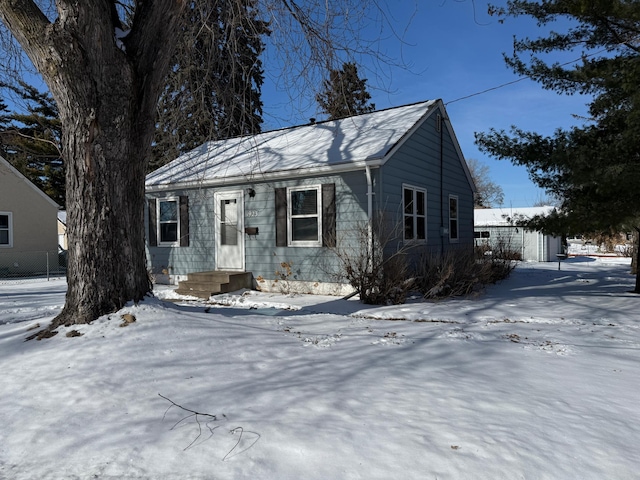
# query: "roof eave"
[[269, 176]]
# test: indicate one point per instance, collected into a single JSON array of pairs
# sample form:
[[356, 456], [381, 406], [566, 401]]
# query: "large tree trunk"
[[635, 261], [105, 203], [106, 89]]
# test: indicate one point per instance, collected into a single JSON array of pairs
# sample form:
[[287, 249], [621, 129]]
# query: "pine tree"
[[213, 89], [31, 140], [593, 168], [4, 124], [345, 93]]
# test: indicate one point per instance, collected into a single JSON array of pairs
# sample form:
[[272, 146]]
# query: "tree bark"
[[635, 263], [106, 90]]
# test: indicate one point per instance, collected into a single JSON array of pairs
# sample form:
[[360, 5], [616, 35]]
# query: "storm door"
[[229, 231]]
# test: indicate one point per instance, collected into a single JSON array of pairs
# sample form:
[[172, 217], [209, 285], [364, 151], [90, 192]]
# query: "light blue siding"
[[262, 257], [418, 163]]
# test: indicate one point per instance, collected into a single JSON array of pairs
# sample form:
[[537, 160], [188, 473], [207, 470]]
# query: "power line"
[[520, 79]]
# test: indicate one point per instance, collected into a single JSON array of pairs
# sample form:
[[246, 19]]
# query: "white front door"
[[229, 231]]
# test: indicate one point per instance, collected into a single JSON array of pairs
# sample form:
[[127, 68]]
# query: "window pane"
[[408, 227], [420, 203], [168, 232], [228, 234], [4, 237], [229, 211], [304, 202], [304, 229], [4, 221], [420, 234], [408, 200], [169, 211], [453, 229], [453, 207], [485, 234]]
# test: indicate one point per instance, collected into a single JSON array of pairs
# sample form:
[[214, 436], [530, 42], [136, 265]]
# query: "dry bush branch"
[[210, 418]]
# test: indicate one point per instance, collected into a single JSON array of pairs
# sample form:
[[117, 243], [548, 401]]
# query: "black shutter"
[[184, 221], [281, 217], [329, 214], [153, 226]]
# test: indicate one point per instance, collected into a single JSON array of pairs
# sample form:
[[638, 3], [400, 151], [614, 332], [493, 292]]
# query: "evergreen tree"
[[345, 93], [593, 168], [31, 140], [4, 124], [213, 89]]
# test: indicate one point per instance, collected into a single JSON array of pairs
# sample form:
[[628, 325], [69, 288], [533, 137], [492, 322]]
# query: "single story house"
[[499, 228], [28, 230], [281, 205]]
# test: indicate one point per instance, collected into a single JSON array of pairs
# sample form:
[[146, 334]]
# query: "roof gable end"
[[30, 184]]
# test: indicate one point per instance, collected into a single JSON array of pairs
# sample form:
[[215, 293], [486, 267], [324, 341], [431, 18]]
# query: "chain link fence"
[[14, 265]]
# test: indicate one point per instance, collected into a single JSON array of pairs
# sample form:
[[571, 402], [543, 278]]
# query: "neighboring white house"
[[28, 234], [498, 227]]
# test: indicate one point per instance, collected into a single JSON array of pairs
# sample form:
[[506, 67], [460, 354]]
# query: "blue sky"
[[454, 49]]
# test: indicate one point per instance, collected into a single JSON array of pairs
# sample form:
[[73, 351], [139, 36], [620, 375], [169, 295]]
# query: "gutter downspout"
[[367, 172]]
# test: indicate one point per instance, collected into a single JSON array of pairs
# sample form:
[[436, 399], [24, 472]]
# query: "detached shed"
[[277, 205], [496, 228]]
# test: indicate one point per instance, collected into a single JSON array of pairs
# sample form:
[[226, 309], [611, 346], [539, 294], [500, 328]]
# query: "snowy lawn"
[[538, 377]]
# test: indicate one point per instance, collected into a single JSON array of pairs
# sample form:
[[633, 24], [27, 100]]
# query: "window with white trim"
[[168, 221], [6, 230], [414, 207], [453, 218], [304, 216]]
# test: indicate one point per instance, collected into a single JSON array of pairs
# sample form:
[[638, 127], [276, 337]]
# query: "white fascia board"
[[266, 177]]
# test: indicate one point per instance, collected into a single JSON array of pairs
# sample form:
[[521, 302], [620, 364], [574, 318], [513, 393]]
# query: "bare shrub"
[[377, 275], [382, 269], [457, 273]]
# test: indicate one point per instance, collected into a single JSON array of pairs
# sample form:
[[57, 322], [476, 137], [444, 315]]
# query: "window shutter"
[[184, 221], [153, 226], [329, 214], [281, 217]]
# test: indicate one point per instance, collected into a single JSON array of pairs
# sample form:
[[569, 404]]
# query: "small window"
[[414, 202], [453, 218], [485, 234], [304, 216], [6, 230], [168, 221]]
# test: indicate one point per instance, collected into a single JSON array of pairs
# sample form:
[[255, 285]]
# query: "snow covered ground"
[[538, 377]]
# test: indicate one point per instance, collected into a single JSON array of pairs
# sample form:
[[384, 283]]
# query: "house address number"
[[251, 213]]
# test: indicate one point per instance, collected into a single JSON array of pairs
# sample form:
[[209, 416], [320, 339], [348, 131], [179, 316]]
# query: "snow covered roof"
[[507, 216], [323, 147]]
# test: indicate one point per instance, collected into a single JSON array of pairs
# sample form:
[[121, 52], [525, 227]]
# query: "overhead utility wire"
[[497, 87]]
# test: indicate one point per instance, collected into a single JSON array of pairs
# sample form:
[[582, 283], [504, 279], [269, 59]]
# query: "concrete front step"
[[205, 284]]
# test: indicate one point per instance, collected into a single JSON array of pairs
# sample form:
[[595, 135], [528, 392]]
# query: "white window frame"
[[456, 218], [415, 215], [10, 230], [175, 243], [291, 217]]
